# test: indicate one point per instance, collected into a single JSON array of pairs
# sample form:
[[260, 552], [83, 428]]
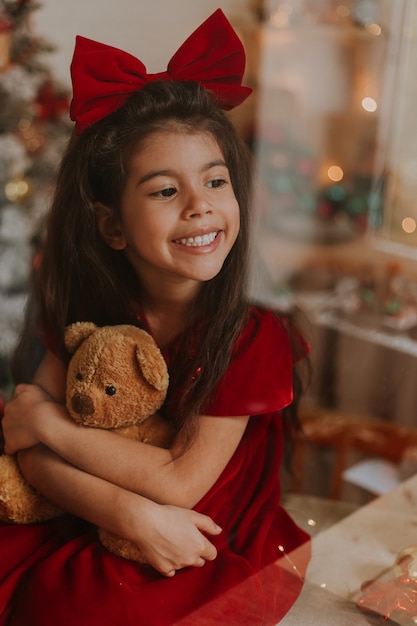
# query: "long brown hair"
[[81, 278]]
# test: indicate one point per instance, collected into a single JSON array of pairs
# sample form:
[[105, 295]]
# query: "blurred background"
[[333, 132]]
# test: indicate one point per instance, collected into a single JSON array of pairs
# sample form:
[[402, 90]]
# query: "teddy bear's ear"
[[76, 333], [153, 367]]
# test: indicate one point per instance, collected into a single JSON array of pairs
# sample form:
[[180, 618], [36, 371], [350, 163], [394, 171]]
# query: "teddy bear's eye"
[[79, 376], [110, 390]]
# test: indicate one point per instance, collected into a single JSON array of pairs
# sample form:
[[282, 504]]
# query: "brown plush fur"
[[117, 379]]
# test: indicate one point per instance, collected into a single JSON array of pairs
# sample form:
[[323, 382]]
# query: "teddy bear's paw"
[[120, 547], [19, 502]]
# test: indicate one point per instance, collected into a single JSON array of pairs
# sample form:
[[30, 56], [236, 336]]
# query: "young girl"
[[150, 226]]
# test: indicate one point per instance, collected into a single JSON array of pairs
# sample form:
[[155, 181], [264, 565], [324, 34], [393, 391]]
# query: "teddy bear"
[[117, 379]]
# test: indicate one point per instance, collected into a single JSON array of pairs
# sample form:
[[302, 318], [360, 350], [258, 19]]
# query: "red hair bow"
[[104, 77]]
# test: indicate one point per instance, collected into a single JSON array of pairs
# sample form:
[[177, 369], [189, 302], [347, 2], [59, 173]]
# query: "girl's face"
[[179, 216]]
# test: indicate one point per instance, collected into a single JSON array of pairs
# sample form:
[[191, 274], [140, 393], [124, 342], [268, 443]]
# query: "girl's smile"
[[179, 216], [198, 241]]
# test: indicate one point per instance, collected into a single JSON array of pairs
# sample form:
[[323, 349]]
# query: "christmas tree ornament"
[[31, 135], [50, 103], [18, 189], [5, 40]]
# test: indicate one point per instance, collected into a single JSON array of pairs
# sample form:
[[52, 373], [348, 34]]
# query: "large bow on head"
[[104, 77]]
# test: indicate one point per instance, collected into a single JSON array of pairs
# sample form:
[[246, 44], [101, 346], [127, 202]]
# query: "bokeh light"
[[408, 225], [335, 173], [369, 104]]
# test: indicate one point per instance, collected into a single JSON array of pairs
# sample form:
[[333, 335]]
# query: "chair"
[[350, 437]]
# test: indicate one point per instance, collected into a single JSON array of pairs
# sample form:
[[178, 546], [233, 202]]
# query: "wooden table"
[[362, 546]]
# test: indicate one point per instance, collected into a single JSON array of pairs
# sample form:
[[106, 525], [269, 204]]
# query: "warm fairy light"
[[374, 29], [369, 104], [408, 225], [24, 125], [335, 173], [312, 522], [16, 189], [281, 17], [281, 548], [343, 10]]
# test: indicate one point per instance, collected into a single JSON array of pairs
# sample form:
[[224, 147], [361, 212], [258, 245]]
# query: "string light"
[[369, 104], [17, 190], [374, 29], [293, 565], [335, 173], [408, 225], [343, 10], [281, 17]]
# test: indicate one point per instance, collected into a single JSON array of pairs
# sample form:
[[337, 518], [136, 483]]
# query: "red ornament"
[[50, 104], [5, 40], [5, 24]]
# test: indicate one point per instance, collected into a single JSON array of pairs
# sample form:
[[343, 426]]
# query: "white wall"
[[149, 29]]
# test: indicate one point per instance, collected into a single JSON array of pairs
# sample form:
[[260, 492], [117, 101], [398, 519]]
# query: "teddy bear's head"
[[116, 377]]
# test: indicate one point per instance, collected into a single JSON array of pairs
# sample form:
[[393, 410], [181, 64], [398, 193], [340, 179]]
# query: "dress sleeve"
[[259, 377]]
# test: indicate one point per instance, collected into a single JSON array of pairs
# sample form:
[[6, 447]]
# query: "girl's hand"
[[174, 539], [170, 537], [22, 417]]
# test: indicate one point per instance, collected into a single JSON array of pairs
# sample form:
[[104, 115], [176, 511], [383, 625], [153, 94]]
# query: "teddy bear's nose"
[[82, 404]]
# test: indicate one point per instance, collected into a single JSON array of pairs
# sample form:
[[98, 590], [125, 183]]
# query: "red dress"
[[58, 573]]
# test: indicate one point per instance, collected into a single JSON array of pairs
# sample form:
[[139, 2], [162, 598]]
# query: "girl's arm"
[[165, 476], [169, 537]]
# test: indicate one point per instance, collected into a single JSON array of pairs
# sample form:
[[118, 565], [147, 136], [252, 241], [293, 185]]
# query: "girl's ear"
[[108, 226]]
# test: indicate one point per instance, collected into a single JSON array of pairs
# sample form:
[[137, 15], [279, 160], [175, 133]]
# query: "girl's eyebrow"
[[154, 174], [168, 172], [215, 163]]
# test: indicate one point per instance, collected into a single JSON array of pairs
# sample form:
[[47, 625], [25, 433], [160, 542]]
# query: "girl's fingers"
[[19, 389], [209, 553], [207, 525], [170, 573]]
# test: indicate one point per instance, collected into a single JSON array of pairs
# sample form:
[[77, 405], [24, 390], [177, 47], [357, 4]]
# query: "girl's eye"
[[165, 193], [216, 183]]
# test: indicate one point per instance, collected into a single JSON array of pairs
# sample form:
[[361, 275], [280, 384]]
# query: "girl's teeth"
[[200, 240]]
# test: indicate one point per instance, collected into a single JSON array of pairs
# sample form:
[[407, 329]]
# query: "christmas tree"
[[34, 128]]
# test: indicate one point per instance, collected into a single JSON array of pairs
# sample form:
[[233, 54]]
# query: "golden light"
[[281, 17], [17, 189], [369, 104], [408, 225], [343, 10], [374, 29], [335, 173]]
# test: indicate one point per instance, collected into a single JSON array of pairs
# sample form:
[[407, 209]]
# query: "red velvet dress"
[[58, 573]]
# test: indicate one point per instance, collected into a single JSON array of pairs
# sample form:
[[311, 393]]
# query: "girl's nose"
[[197, 205]]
